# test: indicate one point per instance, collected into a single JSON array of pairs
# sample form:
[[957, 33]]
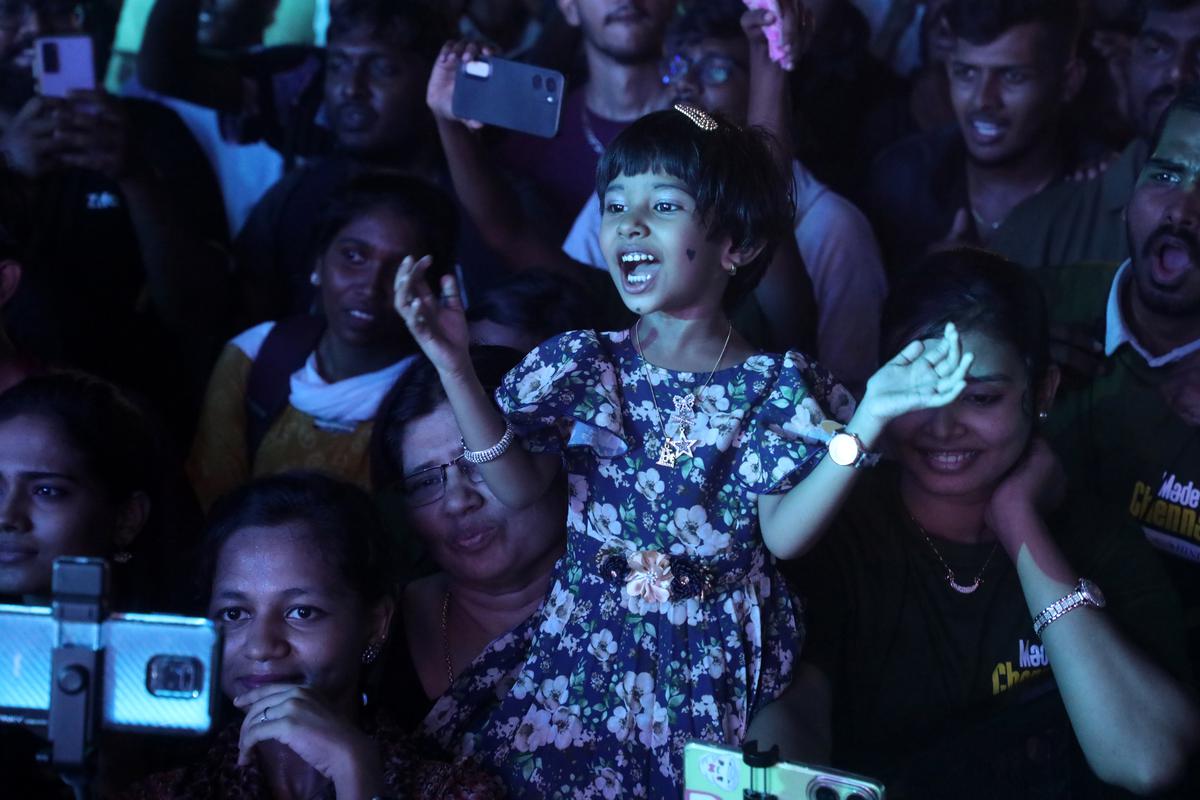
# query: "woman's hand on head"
[[436, 321], [329, 743], [1035, 485], [439, 93], [927, 373]]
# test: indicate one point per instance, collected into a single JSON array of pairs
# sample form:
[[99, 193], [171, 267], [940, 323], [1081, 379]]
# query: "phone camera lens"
[[826, 793], [551, 85], [537, 81]]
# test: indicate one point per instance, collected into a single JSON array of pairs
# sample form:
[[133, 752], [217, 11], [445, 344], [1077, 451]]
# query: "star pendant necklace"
[[684, 413]]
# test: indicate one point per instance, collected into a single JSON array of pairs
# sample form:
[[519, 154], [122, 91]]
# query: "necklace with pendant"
[[950, 577], [684, 414]]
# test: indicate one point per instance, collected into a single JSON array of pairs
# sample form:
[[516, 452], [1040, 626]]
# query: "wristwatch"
[[1086, 594], [847, 450]]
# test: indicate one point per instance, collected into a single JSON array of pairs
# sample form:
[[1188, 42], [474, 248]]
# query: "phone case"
[[509, 94], [160, 670], [713, 772], [63, 64]]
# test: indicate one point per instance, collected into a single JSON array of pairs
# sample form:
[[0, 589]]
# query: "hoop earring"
[[732, 270], [372, 652]]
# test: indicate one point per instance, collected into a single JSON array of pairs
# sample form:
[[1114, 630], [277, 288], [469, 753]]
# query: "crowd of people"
[[829, 381]]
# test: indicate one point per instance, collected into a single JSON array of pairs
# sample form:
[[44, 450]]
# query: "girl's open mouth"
[[638, 270]]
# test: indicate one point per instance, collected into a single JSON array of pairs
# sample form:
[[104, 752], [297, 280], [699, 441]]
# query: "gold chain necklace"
[[950, 577], [684, 414], [446, 639]]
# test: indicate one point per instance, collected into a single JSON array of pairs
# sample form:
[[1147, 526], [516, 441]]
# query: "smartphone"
[[509, 94], [714, 772], [159, 670], [63, 64]]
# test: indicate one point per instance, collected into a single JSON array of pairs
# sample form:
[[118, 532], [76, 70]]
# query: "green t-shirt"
[[1122, 438], [942, 694], [1073, 222]]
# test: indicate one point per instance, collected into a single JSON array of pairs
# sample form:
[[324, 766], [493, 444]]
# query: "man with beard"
[[377, 64], [1013, 70], [1075, 222], [622, 41], [1131, 434]]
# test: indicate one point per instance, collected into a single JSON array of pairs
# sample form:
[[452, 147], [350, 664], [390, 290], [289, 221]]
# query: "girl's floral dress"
[[667, 620]]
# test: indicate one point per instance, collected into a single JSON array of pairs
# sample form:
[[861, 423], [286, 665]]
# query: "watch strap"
[[1060, 608]]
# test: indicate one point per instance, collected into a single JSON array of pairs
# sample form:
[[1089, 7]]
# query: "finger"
[[269, 690], [959, 375], [451, 297], [911, 352], [272, 729], [418, 285], [401, 293]]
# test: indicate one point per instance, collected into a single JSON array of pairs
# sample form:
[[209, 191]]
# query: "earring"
[[372, 652], [1043, 416], [314, 279], [732, 270], [122, 557]]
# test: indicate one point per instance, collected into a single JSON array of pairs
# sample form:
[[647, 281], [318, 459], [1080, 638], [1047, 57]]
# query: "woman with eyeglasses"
[[493, 564]]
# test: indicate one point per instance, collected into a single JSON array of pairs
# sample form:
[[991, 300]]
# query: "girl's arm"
[[438, 325], [926, 374], [1136, 724]]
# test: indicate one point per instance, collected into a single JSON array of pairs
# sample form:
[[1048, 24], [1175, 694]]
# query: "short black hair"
[[339, 516], [739, 189], [1188, 99], [120, 446], [411, 25], [976, 290], [980, 22], [430, 208], [711, 19], [417, 393], [539, 302]]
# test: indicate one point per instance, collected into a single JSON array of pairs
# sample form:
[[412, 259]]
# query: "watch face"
[[1091, 593], [844, 449]]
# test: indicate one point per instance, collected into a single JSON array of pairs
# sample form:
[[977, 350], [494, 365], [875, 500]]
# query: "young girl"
[[685, 452]]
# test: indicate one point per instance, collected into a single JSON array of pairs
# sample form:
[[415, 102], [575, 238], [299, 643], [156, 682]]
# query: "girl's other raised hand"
[[927, 373], [437, 322]]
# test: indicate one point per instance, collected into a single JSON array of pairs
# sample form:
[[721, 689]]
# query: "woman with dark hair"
[[80, 475], [302, 392], [493, 564], [300, 584], [960, 573]]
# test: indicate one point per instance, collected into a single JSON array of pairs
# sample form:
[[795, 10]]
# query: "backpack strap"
[[283, 351]]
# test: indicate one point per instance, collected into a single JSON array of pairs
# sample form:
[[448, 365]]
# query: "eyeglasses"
[[428, 485], [711, 70]]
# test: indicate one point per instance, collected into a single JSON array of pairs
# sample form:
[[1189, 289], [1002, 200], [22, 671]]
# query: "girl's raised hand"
[[925, 374], [437, 322]]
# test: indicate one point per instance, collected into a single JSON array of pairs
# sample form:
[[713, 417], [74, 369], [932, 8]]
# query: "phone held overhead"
[[509, 94]]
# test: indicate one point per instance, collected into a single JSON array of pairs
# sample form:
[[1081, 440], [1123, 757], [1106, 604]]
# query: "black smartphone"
[[509, 94]]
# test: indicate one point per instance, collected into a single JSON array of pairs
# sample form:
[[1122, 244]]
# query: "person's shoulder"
[[919, 152], [1077, 290], [250, 341]]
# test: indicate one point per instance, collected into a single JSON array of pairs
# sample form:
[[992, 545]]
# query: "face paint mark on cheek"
[[691, 254]]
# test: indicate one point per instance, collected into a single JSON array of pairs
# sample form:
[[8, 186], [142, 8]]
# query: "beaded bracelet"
[[493, 452]]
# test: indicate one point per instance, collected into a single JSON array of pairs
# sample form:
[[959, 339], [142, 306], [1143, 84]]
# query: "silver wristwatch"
[[847, 450], [1086, 594]]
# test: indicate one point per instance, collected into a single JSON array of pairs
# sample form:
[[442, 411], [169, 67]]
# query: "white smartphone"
[[63, 64], [715, 772]]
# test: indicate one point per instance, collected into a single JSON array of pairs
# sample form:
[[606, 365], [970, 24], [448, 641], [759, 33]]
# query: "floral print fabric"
[[595, 695]]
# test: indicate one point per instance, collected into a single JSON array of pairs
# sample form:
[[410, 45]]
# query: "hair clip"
[[703, 120]]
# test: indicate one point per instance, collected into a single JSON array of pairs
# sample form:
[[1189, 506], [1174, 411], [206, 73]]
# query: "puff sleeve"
[[566, 394], [788, 432]]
